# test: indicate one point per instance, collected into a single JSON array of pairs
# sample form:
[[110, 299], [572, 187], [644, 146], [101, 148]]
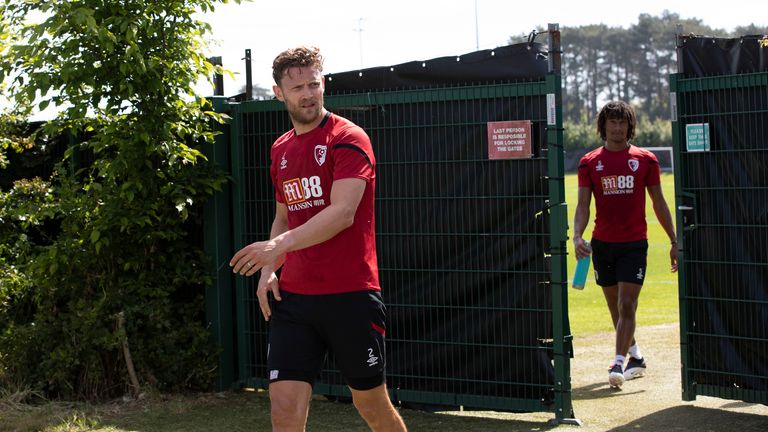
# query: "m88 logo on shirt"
[[617, 185], [301, 189]]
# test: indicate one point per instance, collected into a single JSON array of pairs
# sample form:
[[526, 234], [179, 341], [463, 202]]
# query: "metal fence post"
[[558, 232], [217, 242]]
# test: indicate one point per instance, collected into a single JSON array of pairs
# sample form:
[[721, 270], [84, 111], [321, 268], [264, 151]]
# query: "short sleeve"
[[654, 171], [583, 174], [353, 156], [273, 176]]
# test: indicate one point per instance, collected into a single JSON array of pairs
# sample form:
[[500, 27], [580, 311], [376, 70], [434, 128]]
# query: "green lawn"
[[659, 298]]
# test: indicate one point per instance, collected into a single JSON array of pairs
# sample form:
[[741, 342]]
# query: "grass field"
[[659, 297]]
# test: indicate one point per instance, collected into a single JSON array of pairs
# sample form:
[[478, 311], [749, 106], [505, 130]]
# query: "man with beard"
[[328, 296], [618, 173]]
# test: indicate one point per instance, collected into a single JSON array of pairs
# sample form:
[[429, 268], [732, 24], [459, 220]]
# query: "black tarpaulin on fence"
[[523, 61], [462, 245], [701, 56], [725, 255]]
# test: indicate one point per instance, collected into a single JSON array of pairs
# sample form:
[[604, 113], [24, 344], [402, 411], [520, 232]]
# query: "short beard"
[[300, 117]]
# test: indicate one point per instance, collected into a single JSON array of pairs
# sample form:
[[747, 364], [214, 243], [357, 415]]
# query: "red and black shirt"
[[618, 180], [303, 170]]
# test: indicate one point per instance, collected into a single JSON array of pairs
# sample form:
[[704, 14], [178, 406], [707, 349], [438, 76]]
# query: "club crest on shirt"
[[634, 164], [320, 152]]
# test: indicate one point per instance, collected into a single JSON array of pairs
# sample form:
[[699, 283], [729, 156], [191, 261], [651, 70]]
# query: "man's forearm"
[[279, 226], [665, 219], [580, 221], [321, 227]]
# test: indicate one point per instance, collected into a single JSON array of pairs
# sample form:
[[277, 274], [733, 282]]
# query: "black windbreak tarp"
[[726, 283], [464, 272], [702, 56], [461, 241], [524, 61]]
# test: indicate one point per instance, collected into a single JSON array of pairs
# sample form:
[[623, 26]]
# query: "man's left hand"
[[250, 259]]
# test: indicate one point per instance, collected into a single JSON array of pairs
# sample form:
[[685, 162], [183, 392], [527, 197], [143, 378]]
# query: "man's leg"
[[377, 410], [622, 304], [628, 293], [290, 405], [611, 294]]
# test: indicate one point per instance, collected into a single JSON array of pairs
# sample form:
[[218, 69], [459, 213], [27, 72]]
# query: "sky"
[[356, 34]]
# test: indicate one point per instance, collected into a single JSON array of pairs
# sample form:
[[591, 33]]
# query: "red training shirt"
[[618, 181], [303, 170]]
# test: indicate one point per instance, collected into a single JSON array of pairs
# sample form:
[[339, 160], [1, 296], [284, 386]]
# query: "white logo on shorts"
[[273, 374], [639, 274], [372, 359]]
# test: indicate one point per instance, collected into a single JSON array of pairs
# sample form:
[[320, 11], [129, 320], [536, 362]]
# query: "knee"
[[375, 412], [365, 408], [627, 307], [287, 410]]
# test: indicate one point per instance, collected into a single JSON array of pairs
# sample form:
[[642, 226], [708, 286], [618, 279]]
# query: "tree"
[[123, 273], [634, 64]]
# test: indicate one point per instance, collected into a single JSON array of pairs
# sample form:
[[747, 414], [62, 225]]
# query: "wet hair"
[[617, 110], [296, 57]]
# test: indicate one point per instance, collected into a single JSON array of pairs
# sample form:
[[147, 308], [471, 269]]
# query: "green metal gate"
[[472, 251], [720, 133]]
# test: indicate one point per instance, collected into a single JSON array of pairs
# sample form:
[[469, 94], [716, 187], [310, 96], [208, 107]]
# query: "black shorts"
[[619, 262], [303, 328]]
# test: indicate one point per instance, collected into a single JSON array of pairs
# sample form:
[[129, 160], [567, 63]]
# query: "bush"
[[657, 133], [580, 136], [102, 258]]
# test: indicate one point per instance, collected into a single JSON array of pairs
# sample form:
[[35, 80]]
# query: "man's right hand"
[[580, 248], [267, 283]]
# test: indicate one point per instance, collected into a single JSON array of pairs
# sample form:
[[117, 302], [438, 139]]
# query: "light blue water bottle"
[[582, 268]]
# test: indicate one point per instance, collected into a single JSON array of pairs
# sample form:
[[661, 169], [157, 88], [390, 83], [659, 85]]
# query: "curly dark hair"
[[617, 110], [296, 57]]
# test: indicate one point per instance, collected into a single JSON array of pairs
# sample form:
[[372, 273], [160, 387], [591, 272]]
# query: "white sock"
[[634, 351], [619, 359]]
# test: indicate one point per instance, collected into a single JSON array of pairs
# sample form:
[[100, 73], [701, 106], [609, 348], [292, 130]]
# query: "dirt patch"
[[651, 403]]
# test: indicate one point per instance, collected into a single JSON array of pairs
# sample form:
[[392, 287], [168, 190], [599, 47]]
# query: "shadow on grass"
[[475, 421], [339, 416], [691, 418], [240, 411], [601, 391]]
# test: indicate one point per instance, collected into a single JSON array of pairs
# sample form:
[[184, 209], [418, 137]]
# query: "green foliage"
[[23, 211], [657, 133], [603, 63], [12, 137], [120, 228], [582, 135]]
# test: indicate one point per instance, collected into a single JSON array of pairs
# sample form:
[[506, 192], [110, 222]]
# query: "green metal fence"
[[720, 133], [472, 251]]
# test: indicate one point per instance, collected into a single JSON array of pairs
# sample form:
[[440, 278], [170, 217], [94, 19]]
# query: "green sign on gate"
[[697, 137]]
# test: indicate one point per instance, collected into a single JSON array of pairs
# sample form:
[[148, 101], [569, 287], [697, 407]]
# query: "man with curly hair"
[[617, 174]]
